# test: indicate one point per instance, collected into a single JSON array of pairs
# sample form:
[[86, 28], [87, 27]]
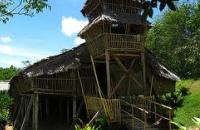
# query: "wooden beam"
[[152, 79], [108, 74], [120, 64], [135, 80], [127, 55], [68, 112], [36, 112], [74, 107], [127, 72], [144, 70], [19, 111], [118, 84], [27, 113], [96, 77]]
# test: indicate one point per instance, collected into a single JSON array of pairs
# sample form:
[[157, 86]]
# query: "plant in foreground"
[[181, 127]]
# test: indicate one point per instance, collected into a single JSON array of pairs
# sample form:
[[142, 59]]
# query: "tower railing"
[[115, 42], [120, 7]]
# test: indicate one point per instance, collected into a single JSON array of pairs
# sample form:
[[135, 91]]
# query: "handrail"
[[162, 105], [132, 105], [101, 2], [132, 116], [114, 34]]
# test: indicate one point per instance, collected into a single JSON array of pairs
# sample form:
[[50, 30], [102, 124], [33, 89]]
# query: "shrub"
[[175, 99], [5, 103], [98, 124]]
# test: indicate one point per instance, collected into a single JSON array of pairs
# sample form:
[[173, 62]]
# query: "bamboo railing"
[[118, 6], [115, 42], [54, 85], [111, 108]]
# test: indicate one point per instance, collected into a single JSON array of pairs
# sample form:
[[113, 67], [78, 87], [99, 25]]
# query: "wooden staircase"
[[137, 118], [131, 115]]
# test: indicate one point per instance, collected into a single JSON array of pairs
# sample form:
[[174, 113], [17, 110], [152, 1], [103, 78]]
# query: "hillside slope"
[[191, 104]]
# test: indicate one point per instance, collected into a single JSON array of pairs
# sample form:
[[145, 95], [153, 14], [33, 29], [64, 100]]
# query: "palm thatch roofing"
[[58, 63], [73, 58], [111, 17]]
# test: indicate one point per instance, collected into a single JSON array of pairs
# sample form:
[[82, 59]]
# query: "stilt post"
[[108, 73], [36, 112]]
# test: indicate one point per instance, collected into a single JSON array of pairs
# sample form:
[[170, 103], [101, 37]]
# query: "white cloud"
[[5, 39], [8, 50], [11, 61], [79, 41], [71, 26]]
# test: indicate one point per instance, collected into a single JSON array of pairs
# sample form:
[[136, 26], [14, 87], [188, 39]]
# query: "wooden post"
[[143, 70], [19, 112], [47, 107], [27, 113], [96, 77], [145, 120], [170, 118], [155, 112], [35, 111], [74, 107], [108, 73], [68, 114]]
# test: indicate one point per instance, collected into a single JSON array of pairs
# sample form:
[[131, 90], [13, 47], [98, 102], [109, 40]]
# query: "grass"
[[191, 104]]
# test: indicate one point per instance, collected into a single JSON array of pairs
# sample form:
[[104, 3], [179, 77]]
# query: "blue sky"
[[24, 38]]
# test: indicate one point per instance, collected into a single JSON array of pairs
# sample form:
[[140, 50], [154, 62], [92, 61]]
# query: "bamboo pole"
[[27, 113], [170, 118], [74, 107], [143, 70], [108, 73], [36, 112]]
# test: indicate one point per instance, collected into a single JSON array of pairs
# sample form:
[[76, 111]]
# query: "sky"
[[46, 34]]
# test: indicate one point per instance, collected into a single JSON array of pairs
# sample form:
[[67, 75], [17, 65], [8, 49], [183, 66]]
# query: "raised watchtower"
[[115, 32]]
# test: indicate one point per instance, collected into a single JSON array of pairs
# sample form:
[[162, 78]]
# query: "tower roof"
[[117, 18]]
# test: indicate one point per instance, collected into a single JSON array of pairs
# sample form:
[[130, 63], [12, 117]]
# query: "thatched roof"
[[72, 59], [59, 63], [159, 69], [116, 18]]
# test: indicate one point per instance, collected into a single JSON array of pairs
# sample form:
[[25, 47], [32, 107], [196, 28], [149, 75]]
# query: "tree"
[[8, 73], [9, 8], [175, 39]]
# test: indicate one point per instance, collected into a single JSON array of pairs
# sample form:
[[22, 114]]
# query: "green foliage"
[[8, 73], [87, 127], [5, 103], [98, 124], [191, 104], [175, 99], [9, 8], [148, 6], [175, 40], [195, 120]]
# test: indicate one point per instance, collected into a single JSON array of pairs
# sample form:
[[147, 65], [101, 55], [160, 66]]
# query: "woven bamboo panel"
[[115, 42], [110, 108]]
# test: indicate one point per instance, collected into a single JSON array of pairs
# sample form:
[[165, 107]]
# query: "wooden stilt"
[[68, 112], [96, 78], [60, 109], [143, 70], [107, 57], [47, 107], [19, 112], [74, 107], [36, 112], [27, 113], [152, 79]]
